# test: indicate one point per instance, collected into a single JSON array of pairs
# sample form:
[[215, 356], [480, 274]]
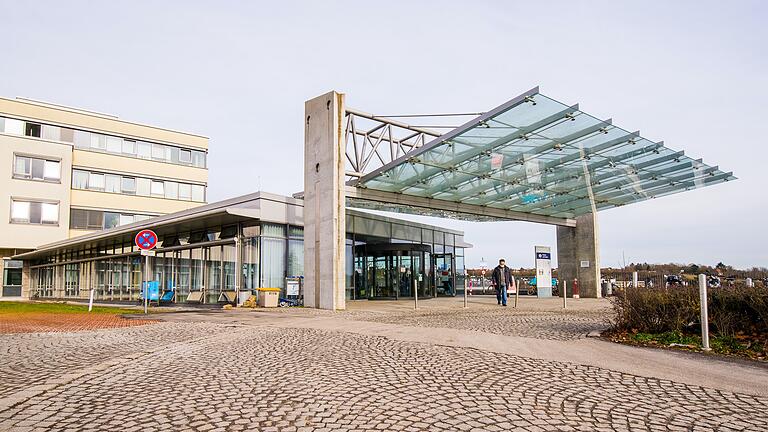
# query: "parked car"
[[674, 280]]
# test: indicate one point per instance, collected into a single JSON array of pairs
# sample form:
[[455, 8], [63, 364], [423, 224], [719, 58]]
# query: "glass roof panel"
[[540, 156]]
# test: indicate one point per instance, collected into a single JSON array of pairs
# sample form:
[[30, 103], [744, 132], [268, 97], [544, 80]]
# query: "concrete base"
[[578, 256]]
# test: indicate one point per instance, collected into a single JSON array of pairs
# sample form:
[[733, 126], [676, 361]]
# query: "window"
[[14, 127], [52, 133], [111, 220], [185, 156], [52, 170], [160, 152], [22, 167], [158, 188], [98, 142], [114, 144], [50, 213], [185, 191], [36, 169], [129, 185], [67, 135], [171, 190], [79, 179], [33, 130], [126, 219], [198, 193], [198, 159], [129, 147], [112, 183], [144, 150], [95, 181], [33, 212], [98, 219], [82, 139], [19, 212], [142, 186]]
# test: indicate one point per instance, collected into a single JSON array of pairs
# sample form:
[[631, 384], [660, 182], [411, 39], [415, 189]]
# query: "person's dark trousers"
[[501, 296]]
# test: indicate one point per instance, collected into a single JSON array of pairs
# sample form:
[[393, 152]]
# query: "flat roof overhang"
[[532, 159]]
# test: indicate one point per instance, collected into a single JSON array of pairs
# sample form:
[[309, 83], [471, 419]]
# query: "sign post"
[[543, 271], [146, 240]]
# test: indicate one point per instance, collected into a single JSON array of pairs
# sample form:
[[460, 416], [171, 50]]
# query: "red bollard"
[[575, 288]]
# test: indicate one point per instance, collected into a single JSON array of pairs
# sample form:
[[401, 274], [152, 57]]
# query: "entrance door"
[[445, 275]]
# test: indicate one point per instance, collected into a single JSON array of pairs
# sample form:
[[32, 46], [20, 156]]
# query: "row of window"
[[34, 212], [32, 168], [129, 185], [98, 219], [106, 143], [47, 213]]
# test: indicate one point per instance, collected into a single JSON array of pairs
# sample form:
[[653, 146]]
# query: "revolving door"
[[391, 270]]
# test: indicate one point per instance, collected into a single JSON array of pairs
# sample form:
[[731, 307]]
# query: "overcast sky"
[[690, 73]]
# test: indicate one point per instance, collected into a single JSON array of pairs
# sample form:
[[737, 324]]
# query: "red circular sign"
[[146, 239]]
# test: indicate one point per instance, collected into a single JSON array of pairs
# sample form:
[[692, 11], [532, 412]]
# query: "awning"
[[539, 156]]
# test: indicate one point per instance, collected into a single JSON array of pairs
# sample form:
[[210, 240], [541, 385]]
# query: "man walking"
[[502, 278]]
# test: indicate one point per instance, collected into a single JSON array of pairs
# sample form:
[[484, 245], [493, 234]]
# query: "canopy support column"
[[578, 255], [324, 202]]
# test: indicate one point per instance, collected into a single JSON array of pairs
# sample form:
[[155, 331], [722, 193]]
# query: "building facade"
[[66, 172], [240, 244]]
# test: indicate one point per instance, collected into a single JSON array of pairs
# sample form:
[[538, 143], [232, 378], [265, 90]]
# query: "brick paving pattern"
[[34, 322], [505, 321], [213, 377]]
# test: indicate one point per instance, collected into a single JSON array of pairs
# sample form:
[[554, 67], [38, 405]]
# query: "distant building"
[[66, 172]]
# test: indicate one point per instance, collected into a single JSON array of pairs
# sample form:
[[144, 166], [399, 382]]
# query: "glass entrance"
[[445, 275], [390, 271]]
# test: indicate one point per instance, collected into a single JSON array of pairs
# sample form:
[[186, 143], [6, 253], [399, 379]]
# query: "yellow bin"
[[268, 297]]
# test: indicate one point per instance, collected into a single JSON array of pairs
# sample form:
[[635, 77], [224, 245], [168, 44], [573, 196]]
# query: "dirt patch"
[[42, 322]]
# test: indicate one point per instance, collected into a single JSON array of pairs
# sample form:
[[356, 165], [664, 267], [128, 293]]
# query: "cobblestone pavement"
[[214, 377], [62, 322], [505, 321], [28, 359]]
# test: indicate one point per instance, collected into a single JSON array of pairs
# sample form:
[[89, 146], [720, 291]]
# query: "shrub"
[[732, 310]]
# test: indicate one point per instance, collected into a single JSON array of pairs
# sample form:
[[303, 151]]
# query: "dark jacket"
[[496, 276]]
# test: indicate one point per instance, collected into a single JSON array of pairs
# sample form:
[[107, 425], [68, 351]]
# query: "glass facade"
[[249, 255]]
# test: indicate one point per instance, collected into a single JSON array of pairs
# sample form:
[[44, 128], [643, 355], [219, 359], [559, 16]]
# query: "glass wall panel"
[[228, 267], [213, 271], [273, 262], [251, 263], [295, 258]]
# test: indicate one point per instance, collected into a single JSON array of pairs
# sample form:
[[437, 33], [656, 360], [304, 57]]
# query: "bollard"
[[90, 301], [704, 313], [517, 291], [465, 292], [415, 295], [565, 293]]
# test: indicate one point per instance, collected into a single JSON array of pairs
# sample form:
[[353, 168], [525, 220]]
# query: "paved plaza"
[[377, 366]]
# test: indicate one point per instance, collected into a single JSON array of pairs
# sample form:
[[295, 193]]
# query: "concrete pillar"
[[578, 255], [324, 202], [26, 280]]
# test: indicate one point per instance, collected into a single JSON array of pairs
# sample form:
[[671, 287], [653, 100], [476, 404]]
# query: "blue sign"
[[154, 290], [542, 255]]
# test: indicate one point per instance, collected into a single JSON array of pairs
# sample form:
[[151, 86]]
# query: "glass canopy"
[[536, 155]]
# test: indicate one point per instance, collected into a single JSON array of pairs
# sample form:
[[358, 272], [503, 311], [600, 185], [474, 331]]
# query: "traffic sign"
[[146, 239]]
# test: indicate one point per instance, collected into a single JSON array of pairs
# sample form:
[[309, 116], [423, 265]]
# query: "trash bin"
[[269, 297]]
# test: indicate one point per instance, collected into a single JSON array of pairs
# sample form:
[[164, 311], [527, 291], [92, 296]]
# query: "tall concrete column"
[[324, 202], [578, 255]]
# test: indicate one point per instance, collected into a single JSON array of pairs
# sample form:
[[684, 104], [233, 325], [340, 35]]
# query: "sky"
[[693, 74]]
